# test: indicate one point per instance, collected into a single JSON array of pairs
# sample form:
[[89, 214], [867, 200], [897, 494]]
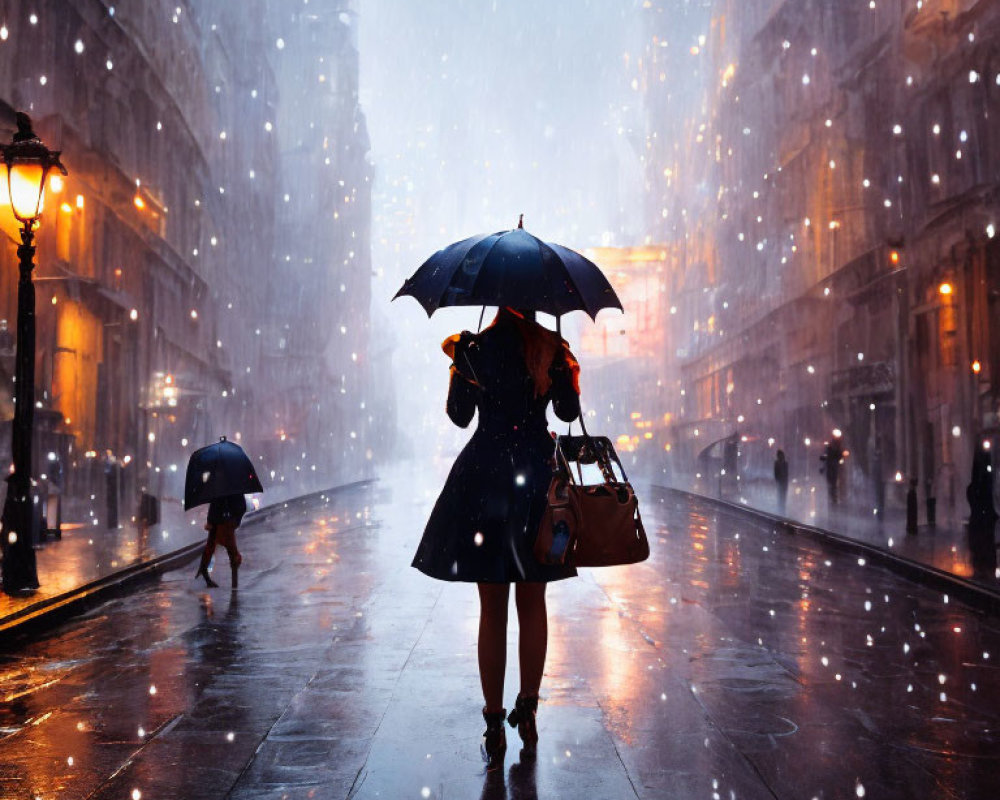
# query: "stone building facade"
[[840, 187], [159, 290]]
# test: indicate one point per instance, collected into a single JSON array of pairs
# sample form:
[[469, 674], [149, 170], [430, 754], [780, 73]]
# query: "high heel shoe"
[[203, 572], [494, 744], [522, 717]]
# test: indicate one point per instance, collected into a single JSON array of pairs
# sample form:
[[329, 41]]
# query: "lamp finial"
[[24, 130]]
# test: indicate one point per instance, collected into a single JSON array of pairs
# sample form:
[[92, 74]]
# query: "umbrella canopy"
[[218, 470], [510, 268]]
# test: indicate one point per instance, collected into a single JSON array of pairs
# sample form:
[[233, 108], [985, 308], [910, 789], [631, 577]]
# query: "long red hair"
[[541, 348]]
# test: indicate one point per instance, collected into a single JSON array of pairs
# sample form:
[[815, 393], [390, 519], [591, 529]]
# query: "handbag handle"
[[569, 432], [604, 456], [583, 426]]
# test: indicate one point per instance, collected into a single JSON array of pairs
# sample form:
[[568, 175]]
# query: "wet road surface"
[[738, 662]]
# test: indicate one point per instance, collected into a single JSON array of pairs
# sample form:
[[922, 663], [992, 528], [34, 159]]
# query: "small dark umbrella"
[[511, 268], [218, 470]]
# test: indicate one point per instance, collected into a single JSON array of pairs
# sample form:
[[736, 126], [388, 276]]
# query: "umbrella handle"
[[474, 376]]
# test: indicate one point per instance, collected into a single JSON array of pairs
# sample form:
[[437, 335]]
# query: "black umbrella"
[[218, 470], [510, 268]]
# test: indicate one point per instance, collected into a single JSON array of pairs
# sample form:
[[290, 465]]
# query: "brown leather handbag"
[[595, 525]]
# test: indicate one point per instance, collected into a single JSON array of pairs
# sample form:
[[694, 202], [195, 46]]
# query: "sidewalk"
[[88, 553], [91, 562], [934, 551]]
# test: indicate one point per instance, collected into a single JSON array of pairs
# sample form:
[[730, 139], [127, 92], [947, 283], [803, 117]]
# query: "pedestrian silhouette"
[[878, 482], [781, 480], [983, 549], [483, 525], [911, 507], [833, 455], [979, 492], [224, 517]]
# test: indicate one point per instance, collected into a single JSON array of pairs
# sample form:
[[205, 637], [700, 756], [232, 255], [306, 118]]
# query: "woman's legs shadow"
[[520, 783]]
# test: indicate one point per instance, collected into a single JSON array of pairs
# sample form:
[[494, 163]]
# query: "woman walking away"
[[483, 526], [224, 517]]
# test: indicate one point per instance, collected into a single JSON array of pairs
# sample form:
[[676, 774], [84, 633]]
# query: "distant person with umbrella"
[[220, 474], [224, 517], [484, 523]]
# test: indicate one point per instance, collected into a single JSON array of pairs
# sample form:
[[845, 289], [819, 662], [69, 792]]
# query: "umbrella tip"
[[222, 439], [520, 221]]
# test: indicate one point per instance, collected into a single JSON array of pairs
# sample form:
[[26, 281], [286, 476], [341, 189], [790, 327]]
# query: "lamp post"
[[26, 164]]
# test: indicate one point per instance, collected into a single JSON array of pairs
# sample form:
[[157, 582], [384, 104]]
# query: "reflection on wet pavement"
[[87, 552], [736, 663], [950, 545]]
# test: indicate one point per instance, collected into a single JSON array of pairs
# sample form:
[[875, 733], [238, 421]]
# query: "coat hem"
[[456, 579]]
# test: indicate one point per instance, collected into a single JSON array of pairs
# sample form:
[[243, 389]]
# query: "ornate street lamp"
[[26, 165]]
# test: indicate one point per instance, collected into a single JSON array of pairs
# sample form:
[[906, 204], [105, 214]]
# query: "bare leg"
[[493, 601], [206, 558], [533, 621], [235, 559]]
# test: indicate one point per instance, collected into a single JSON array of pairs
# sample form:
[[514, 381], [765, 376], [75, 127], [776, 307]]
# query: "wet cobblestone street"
[[739, 661]]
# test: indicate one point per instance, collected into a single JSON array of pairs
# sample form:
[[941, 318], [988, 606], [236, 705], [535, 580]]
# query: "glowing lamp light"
[[977, 367], [945, 288], [894, 257], [27, 162], [837, 432], [25, 184]]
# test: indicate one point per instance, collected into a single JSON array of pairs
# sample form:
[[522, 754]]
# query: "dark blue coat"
[[227, 509], [484, 523]]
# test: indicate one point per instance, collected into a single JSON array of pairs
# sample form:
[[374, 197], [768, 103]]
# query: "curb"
[[975, 595], [53, 610]]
